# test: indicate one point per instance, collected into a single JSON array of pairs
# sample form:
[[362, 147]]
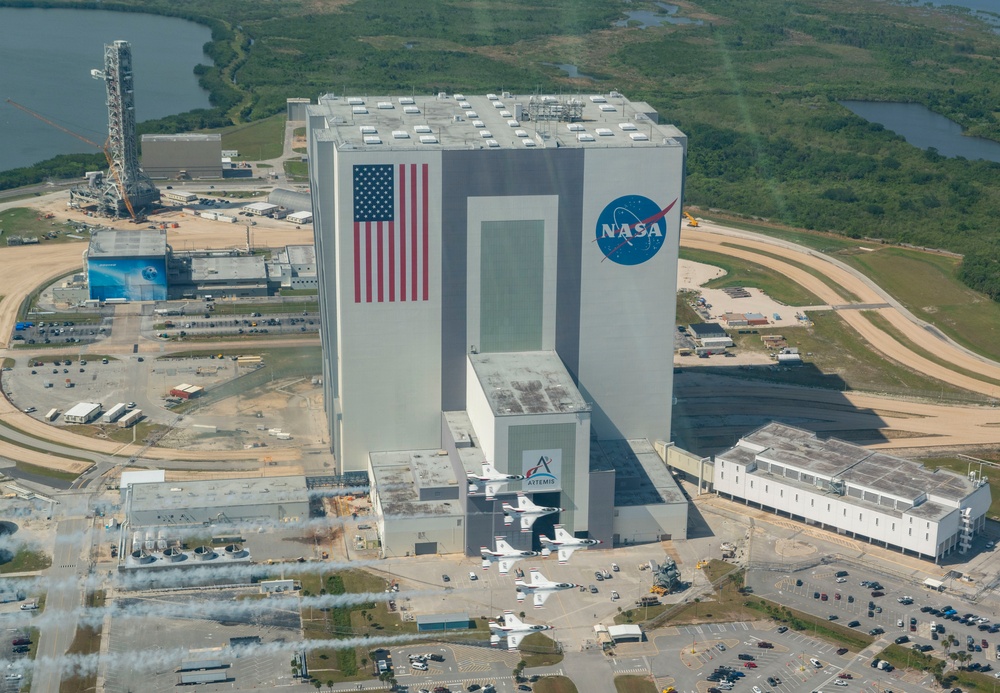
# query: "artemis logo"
[[541, 474], [631, 229]]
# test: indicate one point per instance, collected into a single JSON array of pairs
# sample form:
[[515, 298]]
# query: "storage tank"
[[204, 553]]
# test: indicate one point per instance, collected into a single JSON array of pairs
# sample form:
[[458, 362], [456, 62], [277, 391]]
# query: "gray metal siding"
[[466, 174], [548, 436], [511, 281]]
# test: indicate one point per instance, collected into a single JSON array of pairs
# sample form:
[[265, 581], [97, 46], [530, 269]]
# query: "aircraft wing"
[[513, 640], [540, 598], [508, 518], [527, 521], [486, 564], [565, 552], [491, 490], [506, 564]]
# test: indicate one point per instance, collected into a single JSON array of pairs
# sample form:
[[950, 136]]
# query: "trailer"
[[23, 326], [200, 677], [130, 419], [114, 413], [186, 391], [52, 415], [717, 341]]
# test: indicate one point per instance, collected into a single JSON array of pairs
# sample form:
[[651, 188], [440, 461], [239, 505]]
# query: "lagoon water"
[[47, 55], [924, 128]]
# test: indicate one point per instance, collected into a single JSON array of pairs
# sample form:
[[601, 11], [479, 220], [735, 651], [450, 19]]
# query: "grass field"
[[24, 222], [297, 171], [848, 296], [742, 273], [836, 357], [823, 242], [686, 315], [905, 658], [26, 560], [539, 650], [256, 141], [46, 471], [555, 684], [87, 641], [926, 284], [634, 684]]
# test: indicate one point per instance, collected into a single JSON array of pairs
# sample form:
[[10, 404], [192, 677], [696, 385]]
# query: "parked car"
[[782, 629], [878, 593]]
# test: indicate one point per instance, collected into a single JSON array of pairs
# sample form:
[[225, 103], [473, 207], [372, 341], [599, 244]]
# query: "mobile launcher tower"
[[125, 190]]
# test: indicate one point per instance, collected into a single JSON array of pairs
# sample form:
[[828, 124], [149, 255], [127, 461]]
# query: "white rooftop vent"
[[628, 127], [607, 108], [604, 132], [368, 130], [411, 109], [460, 97], [638, 136], [355, 101], [385, 105], [492, 97], [529, 143], [584, 137], [575, 127], [478, 124], [598, 99], [422, 128], [513, 123], [506, 114], [373, 139], [485, 134], [492, 143], [505, 95], [442, 95], [521, 133], [498, 104], [360, 110], [428, 139], [464, 104], [400, 135], [471, 114], [405, 100]]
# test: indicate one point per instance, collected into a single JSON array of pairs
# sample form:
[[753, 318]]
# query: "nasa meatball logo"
[[631, 229], [149, 274]]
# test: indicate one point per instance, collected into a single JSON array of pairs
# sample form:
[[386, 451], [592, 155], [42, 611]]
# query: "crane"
[[103, 148], [691, 220]]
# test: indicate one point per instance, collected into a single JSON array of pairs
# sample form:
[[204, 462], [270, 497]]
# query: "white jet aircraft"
[[540, 587], [510, 626], [505, 555], [492, 478], [566, 543], [526, 510]]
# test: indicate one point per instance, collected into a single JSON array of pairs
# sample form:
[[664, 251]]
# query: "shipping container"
[[113, 414], [52, 415], [129, 419], [717, 341]]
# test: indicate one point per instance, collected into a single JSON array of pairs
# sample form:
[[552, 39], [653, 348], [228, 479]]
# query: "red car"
[[823, 597], [845, 675], [837, 596], [750, 665]]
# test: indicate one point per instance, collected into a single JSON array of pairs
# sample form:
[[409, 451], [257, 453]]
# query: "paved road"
[[69, 566]]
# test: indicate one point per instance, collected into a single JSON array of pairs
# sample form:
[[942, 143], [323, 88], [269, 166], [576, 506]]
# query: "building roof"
[[219, 493], [707, 329], [490, 121], [184, 137], [106, 243], [641, 477], [301, 254], [219, 268], [861, 471], [291, 199], [398, 477], [527, 382], [456, 617], [260, 207], [626, 630], [302, 216], [142, 476], [82, 409]]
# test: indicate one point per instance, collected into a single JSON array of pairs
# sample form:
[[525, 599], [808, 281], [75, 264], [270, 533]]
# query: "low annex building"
[[854, 491]]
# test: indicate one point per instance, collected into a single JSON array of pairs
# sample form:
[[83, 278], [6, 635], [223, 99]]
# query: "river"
[[47, 55]]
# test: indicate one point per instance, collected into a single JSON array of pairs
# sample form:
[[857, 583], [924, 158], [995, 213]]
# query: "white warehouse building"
[[497, 277], [854, 491]]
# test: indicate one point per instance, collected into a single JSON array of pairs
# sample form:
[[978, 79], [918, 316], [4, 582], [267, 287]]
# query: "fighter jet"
[[540, 587], [526, 510], [566, 543], [492, 478], [510, 626], [505, 555]]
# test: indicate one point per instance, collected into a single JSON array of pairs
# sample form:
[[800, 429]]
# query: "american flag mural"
[[390, 233]]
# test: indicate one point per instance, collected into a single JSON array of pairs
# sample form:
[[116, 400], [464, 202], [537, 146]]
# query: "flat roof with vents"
[[107, 243], [526, 382], [452, 121]]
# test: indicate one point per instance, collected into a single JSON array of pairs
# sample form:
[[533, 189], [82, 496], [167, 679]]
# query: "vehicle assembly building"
[[850, 490], [218, 501], [489, 266]]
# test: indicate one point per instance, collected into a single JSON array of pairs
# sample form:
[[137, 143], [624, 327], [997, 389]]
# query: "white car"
[[816, 663], [840, 682], [419, 666], [899, 623], [756, 689], [614, 596], [841, 579]]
